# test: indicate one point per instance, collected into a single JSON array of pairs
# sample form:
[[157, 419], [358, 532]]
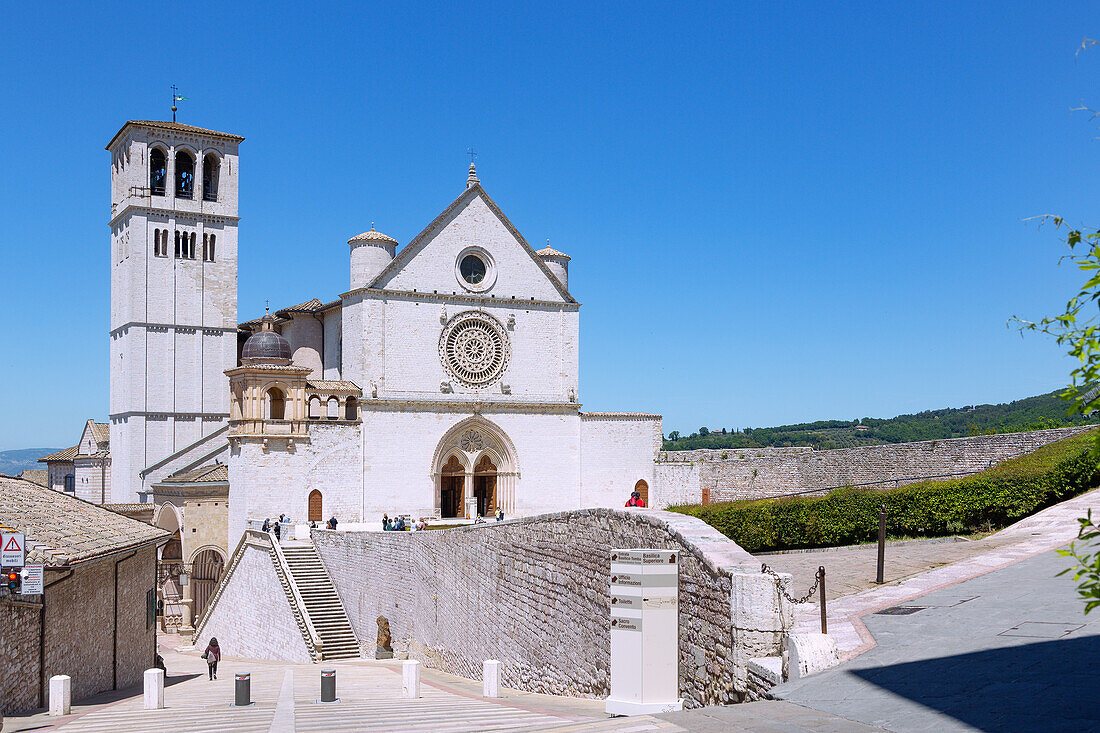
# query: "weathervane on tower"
[[176, 98]]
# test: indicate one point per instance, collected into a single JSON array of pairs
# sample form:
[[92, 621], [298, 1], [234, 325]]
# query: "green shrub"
[[988, 500]]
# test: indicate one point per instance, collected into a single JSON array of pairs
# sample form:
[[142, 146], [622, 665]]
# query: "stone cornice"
[[466, 406], [166, 413], [176, 213], [141, 324], [480, 300]]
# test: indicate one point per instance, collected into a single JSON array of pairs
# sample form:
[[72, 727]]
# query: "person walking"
[[278, 531], [267, 525], [332, 522], [500, 514], [212, 655], [385, 521]]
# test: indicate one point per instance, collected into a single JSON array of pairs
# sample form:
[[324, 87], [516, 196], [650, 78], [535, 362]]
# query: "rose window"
[[474, 349]]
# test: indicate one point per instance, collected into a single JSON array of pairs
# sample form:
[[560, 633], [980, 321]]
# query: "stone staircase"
[[322, 605]]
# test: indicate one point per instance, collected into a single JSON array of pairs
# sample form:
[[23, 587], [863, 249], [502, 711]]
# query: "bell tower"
[[173, 291]]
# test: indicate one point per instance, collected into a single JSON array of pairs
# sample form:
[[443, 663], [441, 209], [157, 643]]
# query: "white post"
[[490, 678], [61, 694], [154, 689], [410, 678]]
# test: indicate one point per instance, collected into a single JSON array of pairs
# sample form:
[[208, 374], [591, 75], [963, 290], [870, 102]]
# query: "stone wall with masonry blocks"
[[732, 474], [534, 594]]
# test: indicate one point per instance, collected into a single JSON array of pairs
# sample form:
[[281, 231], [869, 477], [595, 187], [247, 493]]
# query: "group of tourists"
[[398, 524], [282, 525], [278, 527]]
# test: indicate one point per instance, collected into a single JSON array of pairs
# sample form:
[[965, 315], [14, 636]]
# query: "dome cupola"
[[266, 346]]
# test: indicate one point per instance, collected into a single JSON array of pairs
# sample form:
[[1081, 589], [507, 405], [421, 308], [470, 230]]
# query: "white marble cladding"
[[277, 478], [533, 593], [173, 318]]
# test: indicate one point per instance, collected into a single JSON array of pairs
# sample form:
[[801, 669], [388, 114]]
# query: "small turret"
[[557, 262], [371, 252]]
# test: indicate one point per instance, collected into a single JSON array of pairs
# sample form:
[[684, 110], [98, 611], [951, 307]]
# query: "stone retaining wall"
[[533, 593], [756, 473]]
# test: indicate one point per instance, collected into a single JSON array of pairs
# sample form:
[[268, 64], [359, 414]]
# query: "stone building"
[[95, 621], [193, 506], [445, 382], [83, 470]]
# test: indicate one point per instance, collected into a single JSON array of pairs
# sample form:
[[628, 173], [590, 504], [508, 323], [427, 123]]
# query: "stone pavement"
[[945, 564], [1010, 650]]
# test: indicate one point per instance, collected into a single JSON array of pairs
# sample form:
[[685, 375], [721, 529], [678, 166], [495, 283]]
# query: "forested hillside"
[[13, 462], [1033, 413]]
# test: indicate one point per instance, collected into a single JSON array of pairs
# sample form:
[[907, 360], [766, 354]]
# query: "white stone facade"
[[465, 334]]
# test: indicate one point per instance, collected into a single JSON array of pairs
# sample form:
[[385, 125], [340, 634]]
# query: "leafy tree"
[[704, 432], [674, 435], [1078, 329]]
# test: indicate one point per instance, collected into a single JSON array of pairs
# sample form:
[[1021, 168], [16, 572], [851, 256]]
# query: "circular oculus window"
[[474, 349], [474, 269]]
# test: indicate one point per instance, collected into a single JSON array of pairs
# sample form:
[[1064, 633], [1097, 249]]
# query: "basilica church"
[[443, 383]]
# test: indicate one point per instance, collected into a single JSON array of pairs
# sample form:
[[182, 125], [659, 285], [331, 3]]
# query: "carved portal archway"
[[476, 459]]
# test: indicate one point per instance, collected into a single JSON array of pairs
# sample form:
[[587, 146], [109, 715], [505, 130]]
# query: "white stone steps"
[[322, 603]]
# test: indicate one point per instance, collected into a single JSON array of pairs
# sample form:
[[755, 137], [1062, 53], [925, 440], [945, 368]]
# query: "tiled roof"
[[308, 307], [101, 432], [332, 385], [64, 530], [212, 474], [40, 476], [61, 455], [97, 454], [549, 251], [372, 236], [174, 127]]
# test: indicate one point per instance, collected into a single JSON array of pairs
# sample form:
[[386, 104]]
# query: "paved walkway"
[[916, 569], [1009, 651]]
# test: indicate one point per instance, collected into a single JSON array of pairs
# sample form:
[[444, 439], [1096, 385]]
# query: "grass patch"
[[982, 502]]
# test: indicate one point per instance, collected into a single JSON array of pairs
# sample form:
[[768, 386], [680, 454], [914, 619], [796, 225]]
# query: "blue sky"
[[777, 212]]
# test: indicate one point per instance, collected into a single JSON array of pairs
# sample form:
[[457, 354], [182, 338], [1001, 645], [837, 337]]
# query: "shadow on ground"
[[1048, 685]]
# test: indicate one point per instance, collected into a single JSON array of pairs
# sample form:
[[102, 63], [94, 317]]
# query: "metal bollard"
[[824, 622], [328, 685], [881, 543], [242, 692]]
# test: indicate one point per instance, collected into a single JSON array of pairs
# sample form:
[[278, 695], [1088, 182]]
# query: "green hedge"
[[985, 501]]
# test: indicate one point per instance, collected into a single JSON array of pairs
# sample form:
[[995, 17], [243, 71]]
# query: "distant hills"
[[1032, 413], [14, 462]]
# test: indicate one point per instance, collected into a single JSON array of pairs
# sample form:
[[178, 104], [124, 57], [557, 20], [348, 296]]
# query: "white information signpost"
[[11, 549], [645, 630], [31, 584]]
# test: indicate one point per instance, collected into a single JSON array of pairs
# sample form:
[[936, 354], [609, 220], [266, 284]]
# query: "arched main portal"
[[475, 459]]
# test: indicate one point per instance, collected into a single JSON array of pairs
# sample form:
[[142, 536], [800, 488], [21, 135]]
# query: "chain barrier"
[[804, 599]]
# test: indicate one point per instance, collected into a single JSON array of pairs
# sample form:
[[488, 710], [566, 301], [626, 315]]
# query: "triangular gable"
[[439, 224], [88, 443]]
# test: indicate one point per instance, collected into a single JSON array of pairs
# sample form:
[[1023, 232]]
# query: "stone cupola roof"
[[372, 236], [549, 251]]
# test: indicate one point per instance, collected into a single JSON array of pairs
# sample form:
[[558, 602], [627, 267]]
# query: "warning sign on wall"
[[11, 549]]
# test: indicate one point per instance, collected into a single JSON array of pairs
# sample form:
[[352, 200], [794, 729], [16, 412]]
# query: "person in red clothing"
[[212, 655], [635, 500]]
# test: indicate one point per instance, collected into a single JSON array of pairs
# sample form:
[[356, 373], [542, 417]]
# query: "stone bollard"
[[61, 694], [154, 689], [410, 678], [490, 678]]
